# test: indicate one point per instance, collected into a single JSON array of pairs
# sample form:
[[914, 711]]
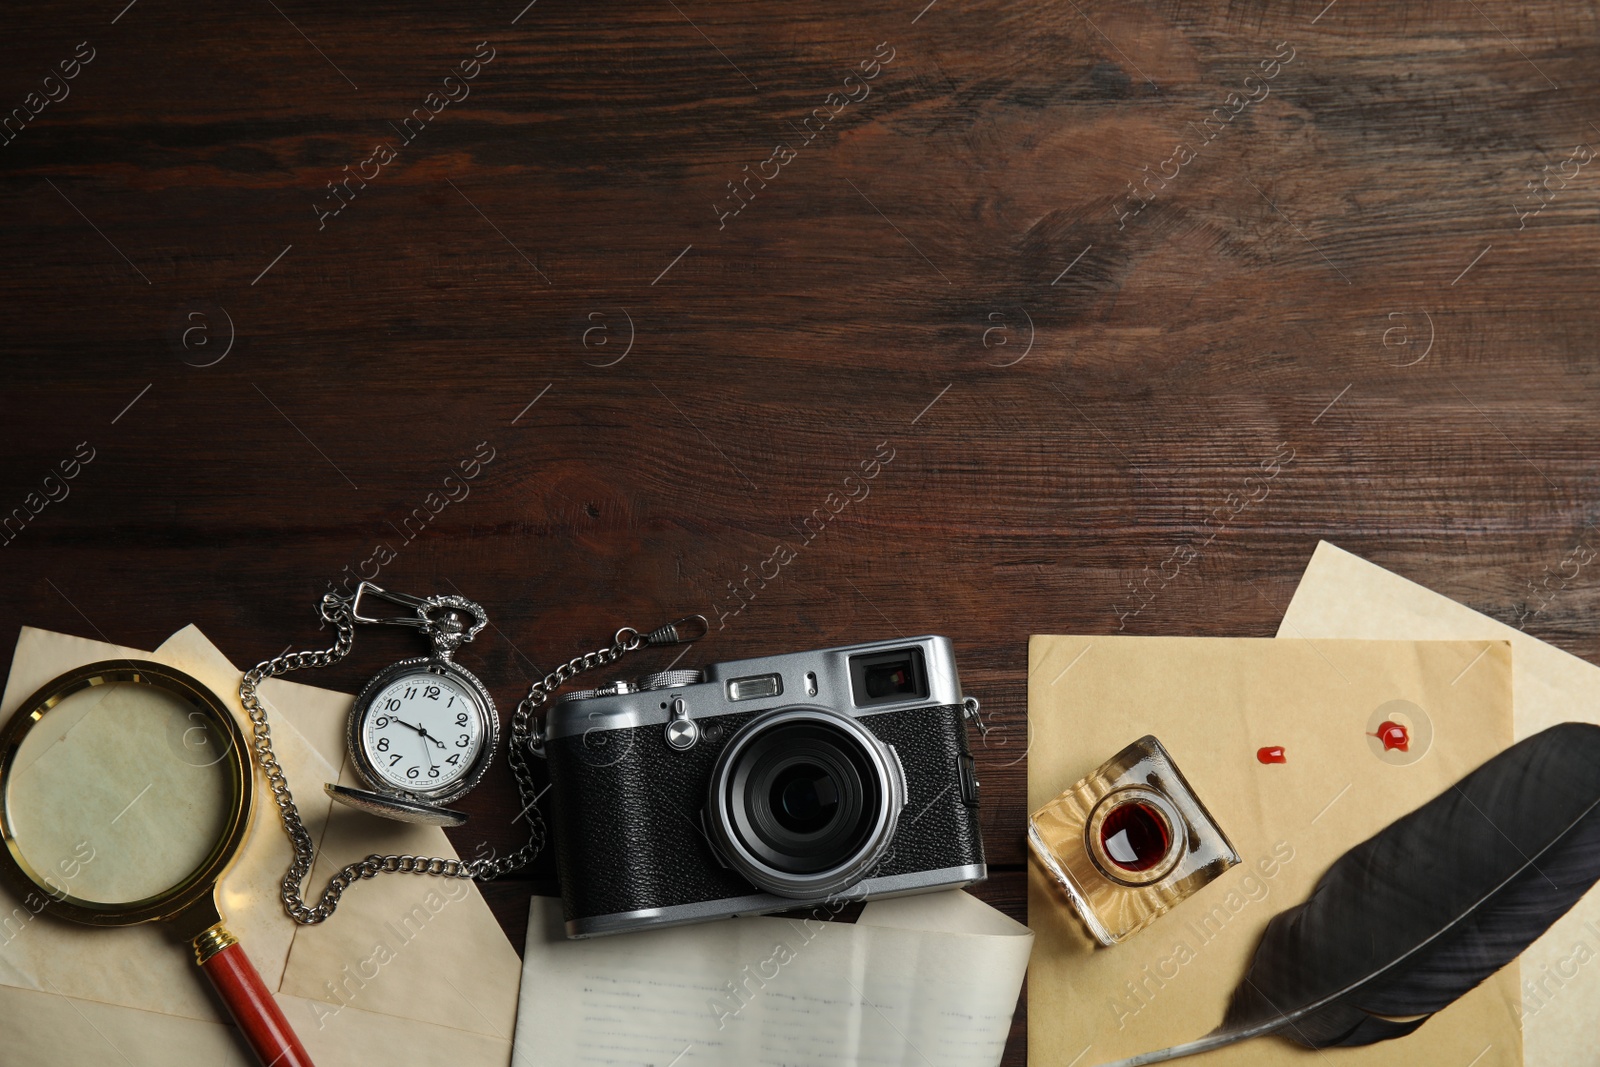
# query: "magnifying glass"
[[125, 793]]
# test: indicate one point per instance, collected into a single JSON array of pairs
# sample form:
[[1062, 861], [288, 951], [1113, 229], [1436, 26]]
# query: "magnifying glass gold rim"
[[200, 883]]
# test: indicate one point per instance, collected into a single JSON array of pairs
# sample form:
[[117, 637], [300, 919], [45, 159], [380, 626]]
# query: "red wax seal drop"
[[1394, 736], [1274, 754]]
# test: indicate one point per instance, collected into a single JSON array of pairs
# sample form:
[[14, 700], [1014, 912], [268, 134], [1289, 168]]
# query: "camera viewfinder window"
[[888, 677]]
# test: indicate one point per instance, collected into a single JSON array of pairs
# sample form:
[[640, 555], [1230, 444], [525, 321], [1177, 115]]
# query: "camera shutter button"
[[682, 731]]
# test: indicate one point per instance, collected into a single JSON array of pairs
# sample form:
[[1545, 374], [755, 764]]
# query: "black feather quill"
[[1410, 919]]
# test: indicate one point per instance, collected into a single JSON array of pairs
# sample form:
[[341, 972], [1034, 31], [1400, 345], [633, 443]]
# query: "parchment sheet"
[[1213, 702], [409, 962], [1342, 595], [926, 981]]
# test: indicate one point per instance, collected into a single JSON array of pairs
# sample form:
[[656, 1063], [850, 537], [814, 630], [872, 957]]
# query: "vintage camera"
[[763, 785], [1129, 842]]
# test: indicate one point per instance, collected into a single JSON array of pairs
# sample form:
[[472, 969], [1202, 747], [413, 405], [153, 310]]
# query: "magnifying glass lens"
[[120, 793]]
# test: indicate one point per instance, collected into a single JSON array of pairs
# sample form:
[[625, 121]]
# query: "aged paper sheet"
[[1213, 702], [409, 962], [927, 980], [1342, 595]]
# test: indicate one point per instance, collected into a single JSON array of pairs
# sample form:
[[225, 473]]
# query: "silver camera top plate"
[[819, 677]]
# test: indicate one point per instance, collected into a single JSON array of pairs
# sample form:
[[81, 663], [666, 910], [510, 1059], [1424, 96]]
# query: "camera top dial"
[[670, 679], [617, 688]]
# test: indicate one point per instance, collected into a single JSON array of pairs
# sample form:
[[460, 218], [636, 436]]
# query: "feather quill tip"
[[1188, 1048]]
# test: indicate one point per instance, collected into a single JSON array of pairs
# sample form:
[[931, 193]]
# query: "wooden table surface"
[[1142, 299]]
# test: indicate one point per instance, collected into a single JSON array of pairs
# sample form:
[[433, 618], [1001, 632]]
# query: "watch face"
[[422, 731]]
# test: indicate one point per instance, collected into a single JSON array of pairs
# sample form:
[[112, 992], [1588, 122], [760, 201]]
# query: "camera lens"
[[804, 801], [804, 798]]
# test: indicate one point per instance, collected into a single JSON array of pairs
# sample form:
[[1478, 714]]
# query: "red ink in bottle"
[[1135, 836]]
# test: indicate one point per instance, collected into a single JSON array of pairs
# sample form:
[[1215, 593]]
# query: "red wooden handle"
[[252, 1007]]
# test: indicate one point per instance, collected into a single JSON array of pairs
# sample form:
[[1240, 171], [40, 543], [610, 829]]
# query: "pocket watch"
[[422, 732]]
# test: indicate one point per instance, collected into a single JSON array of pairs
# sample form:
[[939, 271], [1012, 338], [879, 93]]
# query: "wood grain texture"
[[1084, 401]]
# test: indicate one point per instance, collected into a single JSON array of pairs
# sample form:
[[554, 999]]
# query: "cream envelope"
[[1342, 595], [1214, 702], [410, 961]]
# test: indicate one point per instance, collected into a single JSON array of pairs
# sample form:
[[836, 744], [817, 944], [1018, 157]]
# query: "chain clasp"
[[440, 617], [417, 604], [685, 631]]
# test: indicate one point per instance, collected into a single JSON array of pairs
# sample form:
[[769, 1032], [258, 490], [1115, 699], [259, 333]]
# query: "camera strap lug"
[[972, 712]]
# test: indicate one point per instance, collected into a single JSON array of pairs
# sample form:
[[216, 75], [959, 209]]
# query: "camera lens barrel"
[[804, 802]]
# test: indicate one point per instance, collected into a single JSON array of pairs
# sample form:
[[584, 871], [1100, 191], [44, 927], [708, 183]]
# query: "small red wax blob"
[[1393, 736], [1274, 754]]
